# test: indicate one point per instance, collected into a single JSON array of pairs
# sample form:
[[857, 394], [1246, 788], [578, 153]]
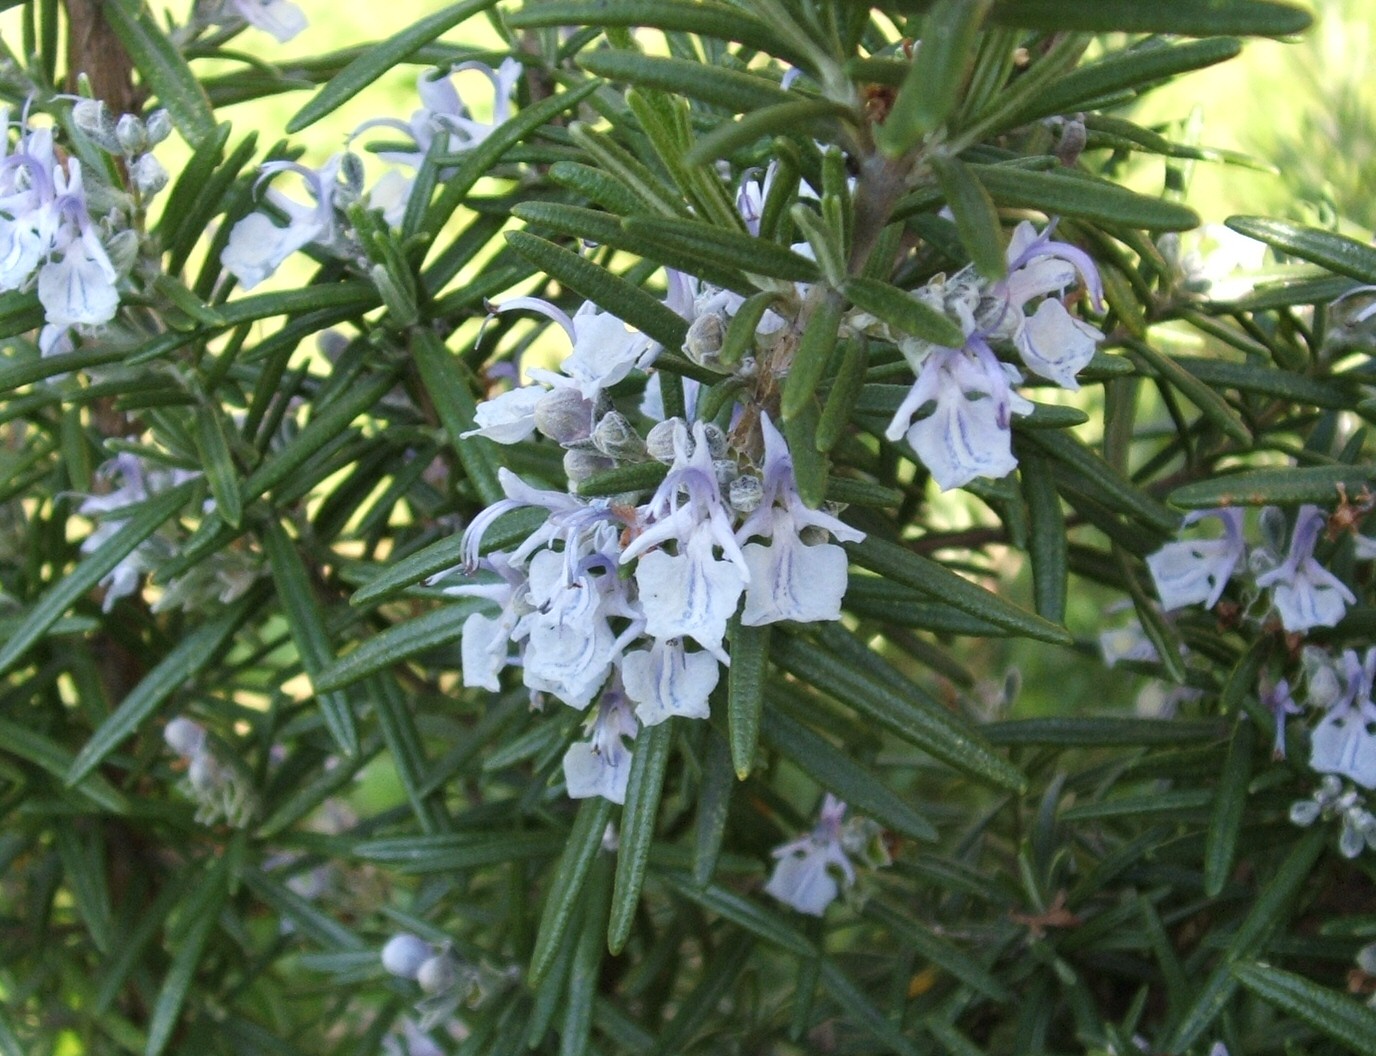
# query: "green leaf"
[[713, 807], [220, 473], [837, 772], [378, 59], [1213, 406], [1328, 249], [199, 916], [452, 851], [1266, 916], [1191, 18], [307, 626], [440, 555], [582, 846], [399, 642], [922, 574], [977, 220], [192, 655], [1047, 542], [648, 763], [743, 912], [840, 405], [478, 162], [699, 1008], [51, 757], [810, 466], [162, 68], [1099, 732], [150, 516], [1131, 69], [933, 84], [704, 17], [849, 995], [446, 382], [1081, 197], [1282, 486], [627, 302], [769, 121], [324, 427], [745, 680], [896, 704], [726, 249], [815, 349], [1103, 482], [637, 477], [1230, 798], [962, 964], [732, 90], [904, 312], [1350, 1023], [741, 331]]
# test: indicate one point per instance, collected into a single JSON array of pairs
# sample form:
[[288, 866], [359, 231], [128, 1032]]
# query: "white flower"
[[967, 434], [1195, 572], [510, 417], [569, 642], [1052, 342], [281, 18], [78, 288], [257, 246], [1304, 592], [444, 113], [790, 579], [667, 680], [811, 870], [601, 765], [603, 352], [1344, 742], [691, 593]]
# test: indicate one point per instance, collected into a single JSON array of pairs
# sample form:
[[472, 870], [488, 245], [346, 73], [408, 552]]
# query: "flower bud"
[[564, 416], [660, 443], [437, 974], [122, 248], [725, 470], [332, 344], [133, 139], [204, 773], [745, 493], [704, 340], [405, 954], [158, 127], [616, 438], [716, 440], [148, 175], [92, 117], [580, 464], [184, 737]]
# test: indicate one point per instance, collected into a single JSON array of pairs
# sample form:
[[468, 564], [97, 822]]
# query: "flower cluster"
[[139, 481], [812, 871], [957, 415], [63, 229], [258, 245], [446, 981], [1303, 593], [216, 787], [626, 600]]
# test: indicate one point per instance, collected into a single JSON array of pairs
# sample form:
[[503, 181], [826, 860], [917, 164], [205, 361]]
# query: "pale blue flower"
[[281, 18], [691, 593], [257, 246], [1195, 572], [1052, 342], [791, 579], [510, 417], [666, 680], [968, 432], [1304, 593], [1344, 741], [810, 871], [601, 765]]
